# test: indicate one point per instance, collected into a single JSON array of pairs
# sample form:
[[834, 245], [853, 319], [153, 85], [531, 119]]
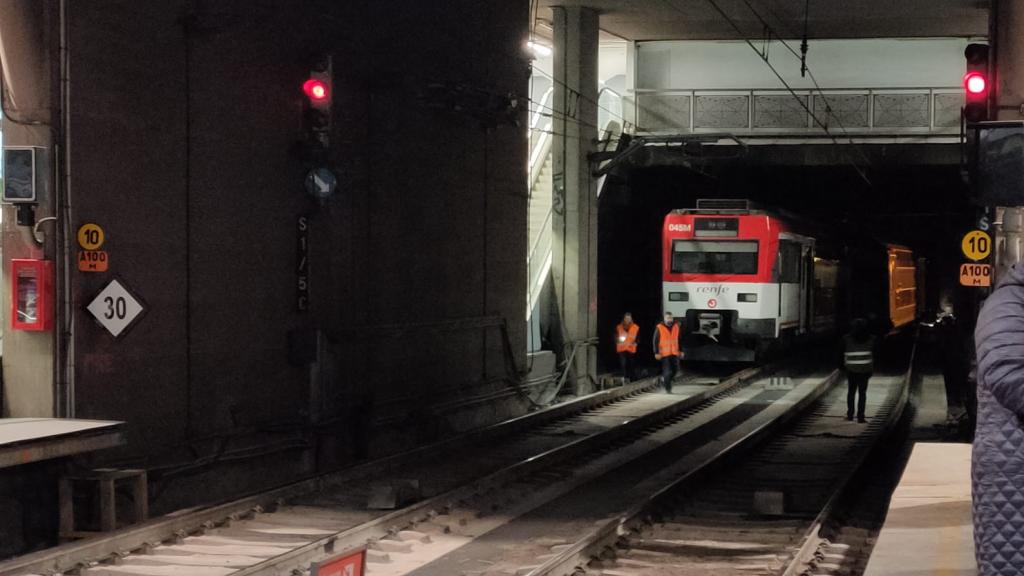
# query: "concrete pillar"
[[27, 40], [574, 222]]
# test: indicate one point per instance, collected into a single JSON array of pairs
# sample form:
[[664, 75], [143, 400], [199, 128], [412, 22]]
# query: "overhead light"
[[539, 49]]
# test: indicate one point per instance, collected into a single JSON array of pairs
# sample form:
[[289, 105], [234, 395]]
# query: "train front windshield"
[[714, 257]]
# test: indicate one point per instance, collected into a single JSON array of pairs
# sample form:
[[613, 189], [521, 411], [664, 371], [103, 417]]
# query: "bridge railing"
[[865, 111]]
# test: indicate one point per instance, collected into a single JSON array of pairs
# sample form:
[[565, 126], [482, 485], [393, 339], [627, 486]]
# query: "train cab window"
[[789, 262], [714, 257]]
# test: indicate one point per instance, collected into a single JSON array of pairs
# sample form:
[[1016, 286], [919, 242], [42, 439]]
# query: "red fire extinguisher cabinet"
[[31, 294]]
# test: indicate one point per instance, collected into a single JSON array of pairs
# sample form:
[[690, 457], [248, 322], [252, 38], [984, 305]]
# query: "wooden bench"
[[106, 480]]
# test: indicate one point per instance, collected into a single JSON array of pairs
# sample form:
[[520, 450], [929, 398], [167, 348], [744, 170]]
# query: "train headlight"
[[747, 297], [678, 296]]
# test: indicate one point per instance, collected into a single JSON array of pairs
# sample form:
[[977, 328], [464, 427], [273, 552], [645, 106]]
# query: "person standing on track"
[[858, 359], [625, 344], [667, 349], [997, 466]]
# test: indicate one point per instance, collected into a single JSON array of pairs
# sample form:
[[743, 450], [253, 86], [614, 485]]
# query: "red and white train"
[[744, 281]]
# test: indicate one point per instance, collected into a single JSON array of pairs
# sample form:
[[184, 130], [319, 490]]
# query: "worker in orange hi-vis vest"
[[625, 344], [667, 349]]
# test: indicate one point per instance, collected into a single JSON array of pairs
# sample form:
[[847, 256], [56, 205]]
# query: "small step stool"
[[107, 480]]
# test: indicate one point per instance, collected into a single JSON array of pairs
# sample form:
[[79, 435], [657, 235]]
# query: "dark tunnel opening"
[[925, 207]]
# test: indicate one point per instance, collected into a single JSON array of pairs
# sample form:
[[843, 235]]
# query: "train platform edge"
[[28, 440], [928, 528]]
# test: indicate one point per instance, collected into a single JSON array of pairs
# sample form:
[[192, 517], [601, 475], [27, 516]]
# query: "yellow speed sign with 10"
[[976, 245], [90, 236]]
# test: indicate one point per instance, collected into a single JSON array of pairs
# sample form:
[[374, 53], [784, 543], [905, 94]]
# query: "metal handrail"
[[535, 119], [536, 243], [533, 289], [810, 128], [619, 113], [540, 153], [533, 292]]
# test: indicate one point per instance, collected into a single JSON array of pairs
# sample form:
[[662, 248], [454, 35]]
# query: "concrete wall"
[[184, 119], [874, 63]]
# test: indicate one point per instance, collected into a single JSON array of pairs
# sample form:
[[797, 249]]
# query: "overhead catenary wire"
[[778, 75], [805, 68], [558, 115], [803, 41], [782, 80], [577, 94], [769, 32]]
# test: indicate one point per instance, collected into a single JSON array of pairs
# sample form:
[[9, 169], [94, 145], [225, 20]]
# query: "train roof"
[[735, 207]]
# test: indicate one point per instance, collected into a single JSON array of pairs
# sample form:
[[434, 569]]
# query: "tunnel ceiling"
[[697, 19]]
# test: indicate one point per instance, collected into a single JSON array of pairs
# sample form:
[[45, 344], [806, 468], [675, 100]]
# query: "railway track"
[[774, 513], [263, 533], [490, 526]]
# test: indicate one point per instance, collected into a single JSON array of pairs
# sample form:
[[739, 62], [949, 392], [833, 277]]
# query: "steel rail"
[[812, 539], [572, 559], [300, 558], [78, 554]]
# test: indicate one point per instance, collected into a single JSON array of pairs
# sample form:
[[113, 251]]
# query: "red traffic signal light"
[[975, 83], [317, 90], [976, 86]]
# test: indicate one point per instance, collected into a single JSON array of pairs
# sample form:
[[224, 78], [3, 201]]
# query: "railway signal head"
[[319, 93], [976, 83], [317, 90]]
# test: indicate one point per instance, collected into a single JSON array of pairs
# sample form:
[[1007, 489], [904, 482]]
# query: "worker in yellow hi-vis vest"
[[667, 349], [859, 361]]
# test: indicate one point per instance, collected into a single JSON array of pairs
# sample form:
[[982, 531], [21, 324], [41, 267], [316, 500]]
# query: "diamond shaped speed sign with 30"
[[115, 308]]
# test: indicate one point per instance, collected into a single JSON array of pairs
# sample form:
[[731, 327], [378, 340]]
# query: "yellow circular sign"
[[90, 236], [976, 245]]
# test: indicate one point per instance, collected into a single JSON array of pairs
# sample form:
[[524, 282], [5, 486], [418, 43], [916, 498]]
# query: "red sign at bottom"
[[93, 261], [979, 275], [351, 563]]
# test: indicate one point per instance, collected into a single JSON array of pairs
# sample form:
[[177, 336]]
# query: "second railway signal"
[[977, 85]]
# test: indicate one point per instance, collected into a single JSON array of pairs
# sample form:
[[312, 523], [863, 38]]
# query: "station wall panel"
[[184, 121]]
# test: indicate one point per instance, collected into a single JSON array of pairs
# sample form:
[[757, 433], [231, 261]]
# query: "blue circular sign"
[[321, 183]]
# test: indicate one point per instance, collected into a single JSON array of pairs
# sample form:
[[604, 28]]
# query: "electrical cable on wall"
[[486, 187], [188, 24]]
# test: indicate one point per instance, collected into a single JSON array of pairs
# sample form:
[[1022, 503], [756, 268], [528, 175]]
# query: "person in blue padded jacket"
[[997, 468]]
